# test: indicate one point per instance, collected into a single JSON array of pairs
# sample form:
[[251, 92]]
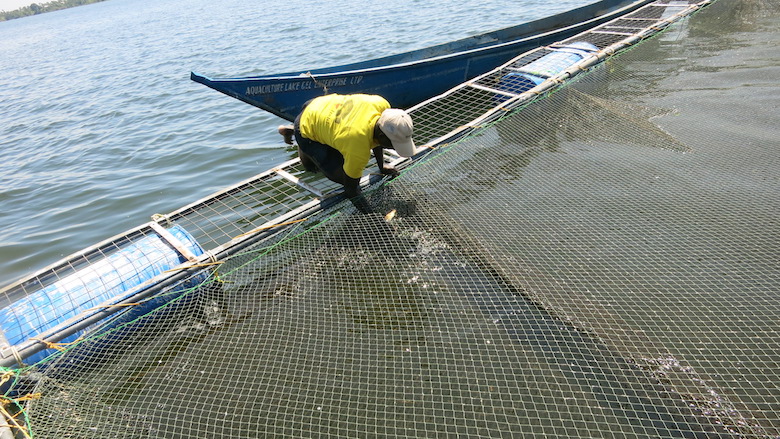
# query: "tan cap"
[[397, 126]]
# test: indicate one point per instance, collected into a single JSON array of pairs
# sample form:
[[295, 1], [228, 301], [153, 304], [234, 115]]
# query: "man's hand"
[[380, 163], [391, 171]]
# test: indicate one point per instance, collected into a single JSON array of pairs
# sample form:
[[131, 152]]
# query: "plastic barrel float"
[[112, 278], [536, 72]]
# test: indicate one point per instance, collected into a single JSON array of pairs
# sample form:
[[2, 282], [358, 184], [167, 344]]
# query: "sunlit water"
[[100, 126]]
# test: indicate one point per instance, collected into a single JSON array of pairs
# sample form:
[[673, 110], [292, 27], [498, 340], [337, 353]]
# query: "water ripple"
[[102, 126]]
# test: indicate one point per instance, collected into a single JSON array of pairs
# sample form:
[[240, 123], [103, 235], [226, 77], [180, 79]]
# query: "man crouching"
[[336, 134]]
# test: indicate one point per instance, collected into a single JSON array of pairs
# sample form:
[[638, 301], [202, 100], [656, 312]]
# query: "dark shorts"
[[325, 158]]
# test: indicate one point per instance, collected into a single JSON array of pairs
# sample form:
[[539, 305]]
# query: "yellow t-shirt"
[[346, 123]]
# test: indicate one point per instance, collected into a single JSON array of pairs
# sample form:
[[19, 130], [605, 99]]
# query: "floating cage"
[[596, 256]]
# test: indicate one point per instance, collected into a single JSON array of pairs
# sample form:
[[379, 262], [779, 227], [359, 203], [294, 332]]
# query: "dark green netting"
[[604, 262]]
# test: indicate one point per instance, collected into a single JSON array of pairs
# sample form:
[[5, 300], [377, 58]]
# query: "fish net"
[[602, 262]]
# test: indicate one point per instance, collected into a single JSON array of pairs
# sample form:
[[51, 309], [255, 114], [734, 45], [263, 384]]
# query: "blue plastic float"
[[536, 72], [111, 279]]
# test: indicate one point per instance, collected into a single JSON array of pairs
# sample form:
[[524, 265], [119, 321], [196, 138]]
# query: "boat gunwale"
[[298, 75]]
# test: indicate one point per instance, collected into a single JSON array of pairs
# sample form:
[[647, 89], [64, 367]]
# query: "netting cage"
[[602, 262]]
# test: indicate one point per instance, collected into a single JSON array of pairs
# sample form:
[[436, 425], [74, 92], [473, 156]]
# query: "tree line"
[[40, 8]]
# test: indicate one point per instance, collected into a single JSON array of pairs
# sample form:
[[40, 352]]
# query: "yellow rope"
[[12, 422], [15, 424], [219, 279], [206, 264], [115, 305], [6, 376], [269, 227], [157, 217], [58, 346], [29, 397]]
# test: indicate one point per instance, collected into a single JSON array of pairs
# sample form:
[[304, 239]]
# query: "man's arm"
[[352, 191], [380, 163]]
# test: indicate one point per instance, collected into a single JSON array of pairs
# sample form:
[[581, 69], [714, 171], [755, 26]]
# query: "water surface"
[[101, 126]]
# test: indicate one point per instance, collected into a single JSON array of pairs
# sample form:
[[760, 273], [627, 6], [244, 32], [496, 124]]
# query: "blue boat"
[[409, 78]]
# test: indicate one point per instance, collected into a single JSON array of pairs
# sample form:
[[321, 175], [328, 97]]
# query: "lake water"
[[101, 127]]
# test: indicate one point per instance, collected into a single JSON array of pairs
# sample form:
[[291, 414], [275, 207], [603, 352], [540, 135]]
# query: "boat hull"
[[410, 78]]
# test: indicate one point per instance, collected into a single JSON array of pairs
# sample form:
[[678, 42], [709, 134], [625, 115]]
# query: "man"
[[337, 133]]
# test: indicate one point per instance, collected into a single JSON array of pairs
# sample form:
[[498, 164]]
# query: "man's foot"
[[287, 132]]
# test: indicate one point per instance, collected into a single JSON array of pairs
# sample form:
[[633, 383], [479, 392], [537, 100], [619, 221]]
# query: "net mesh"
[[603, 262]]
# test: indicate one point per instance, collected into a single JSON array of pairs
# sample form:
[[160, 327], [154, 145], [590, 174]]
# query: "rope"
[[184, 267], [113, 305], [29, 397], [17, 357], [324, 87], [12, 422], [159, 217], [58, 346], [268, 227], [6, 376]]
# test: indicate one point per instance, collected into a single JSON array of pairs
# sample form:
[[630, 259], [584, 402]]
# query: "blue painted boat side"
[[488, 39], [412, 77]]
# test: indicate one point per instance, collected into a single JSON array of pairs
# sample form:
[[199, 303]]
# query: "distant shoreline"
[[40, 8]]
